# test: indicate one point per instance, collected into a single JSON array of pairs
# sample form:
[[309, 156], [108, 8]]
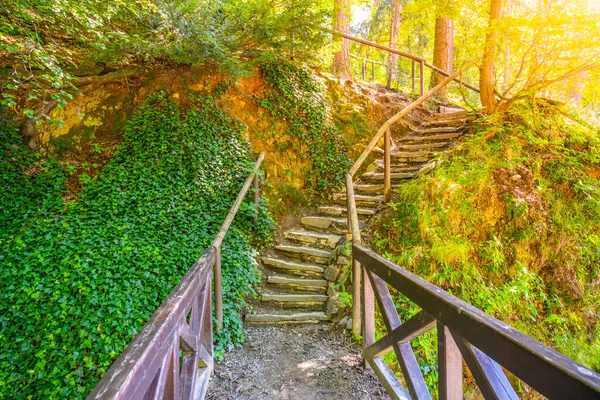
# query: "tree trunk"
[[443, 53], [507, 50], [486, 78], [341, 23], [394, 31]]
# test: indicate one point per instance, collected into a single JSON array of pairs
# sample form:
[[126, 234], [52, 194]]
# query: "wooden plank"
[[218, 287], [353, 226], [404, 352], [189, 375], [132, 373], [422, 77], [256, 196], [387, 182], [238, 202], [368, 313], [458, 80], [190, 340], [487, 373], [390, 382], [415, 326], [387, 124], [450, 373], [379, 46], [544, 369]]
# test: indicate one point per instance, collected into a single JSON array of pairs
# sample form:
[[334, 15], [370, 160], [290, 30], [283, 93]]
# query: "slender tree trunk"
[[394, 31], [486, 78], [507, 50], [443, 53], [341, 23]]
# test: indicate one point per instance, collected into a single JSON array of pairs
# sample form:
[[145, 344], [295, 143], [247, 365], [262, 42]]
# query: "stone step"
[[336, 225], [430, 138], [368, 189], [456, 122], [336, 211], [421, 146], [406, 157], [292, 267], [395, 177], [296, 283], [320, 240], [457, 113], [400, 167], [361, 200], [294, 300], [268, 317], [438, 129], [306, 253]]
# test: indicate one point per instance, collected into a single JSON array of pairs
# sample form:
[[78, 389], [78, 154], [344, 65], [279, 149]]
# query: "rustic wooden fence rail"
[[414, 60], [172, 356], [464, 332]]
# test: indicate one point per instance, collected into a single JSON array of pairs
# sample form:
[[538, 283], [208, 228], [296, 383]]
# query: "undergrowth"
[[79, 279], [295, 97], [510, 222]]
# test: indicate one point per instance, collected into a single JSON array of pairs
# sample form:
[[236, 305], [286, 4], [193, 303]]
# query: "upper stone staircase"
[[299, 273]]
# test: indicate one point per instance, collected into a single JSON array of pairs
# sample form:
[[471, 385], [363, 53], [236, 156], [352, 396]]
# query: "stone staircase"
[[298, 275]]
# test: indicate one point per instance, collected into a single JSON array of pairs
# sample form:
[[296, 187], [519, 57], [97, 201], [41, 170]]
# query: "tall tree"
[[394, 31], [508, 14], [486, 77], [341, 23], [443, 52]]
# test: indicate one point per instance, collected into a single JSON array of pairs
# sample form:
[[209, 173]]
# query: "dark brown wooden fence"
[[171, 358], [487, 345]]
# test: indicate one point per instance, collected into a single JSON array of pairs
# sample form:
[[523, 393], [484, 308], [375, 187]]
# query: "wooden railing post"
[[449, 365], [387, 167], [422, 73], [256, 197], [252, 179], [413, 76], [218, 281], [372, 71], [364, 69], [354, 229]]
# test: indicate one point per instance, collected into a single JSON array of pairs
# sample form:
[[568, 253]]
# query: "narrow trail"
[[292, 352], [295, 362]]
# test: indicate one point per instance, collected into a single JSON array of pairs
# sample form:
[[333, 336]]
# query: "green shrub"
[[79, 280]]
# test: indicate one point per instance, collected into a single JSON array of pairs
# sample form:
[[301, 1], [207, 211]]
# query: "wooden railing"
[[414, 60], [352, 216], [179, 333], [463, 332]]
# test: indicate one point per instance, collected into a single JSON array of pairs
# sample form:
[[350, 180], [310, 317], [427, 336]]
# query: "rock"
[[515, 177], [332, 272], [343, 260], [331, 307], [343, 321], [331, 292], [349, 324]]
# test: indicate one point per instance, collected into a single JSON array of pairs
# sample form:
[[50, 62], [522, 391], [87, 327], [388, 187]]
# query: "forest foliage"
[[80, 279], [509, 221]]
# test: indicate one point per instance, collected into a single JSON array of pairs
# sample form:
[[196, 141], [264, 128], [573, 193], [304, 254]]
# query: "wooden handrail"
[[379, 46], [421, 60], [149, 368], [485, 343], [251, 180], [387, 124]]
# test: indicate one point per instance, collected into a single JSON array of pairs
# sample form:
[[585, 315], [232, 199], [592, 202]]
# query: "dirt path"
[[295, 363]]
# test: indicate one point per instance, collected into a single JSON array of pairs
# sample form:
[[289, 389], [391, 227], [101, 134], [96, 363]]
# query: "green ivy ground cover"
[[297, 98], [79, 280]]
